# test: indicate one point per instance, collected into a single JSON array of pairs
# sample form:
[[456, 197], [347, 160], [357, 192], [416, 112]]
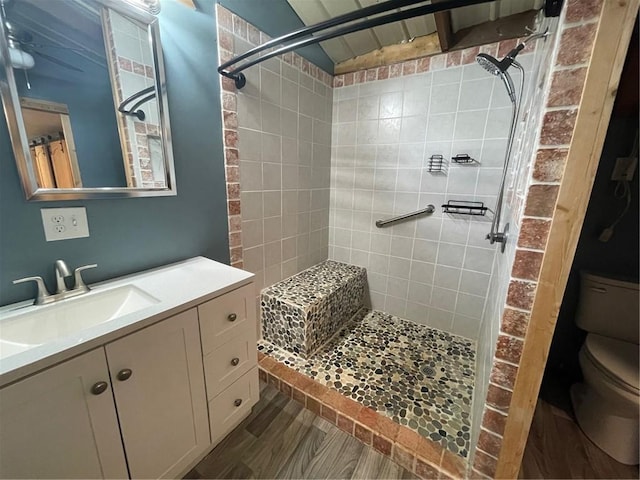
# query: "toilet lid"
[[619, 358]]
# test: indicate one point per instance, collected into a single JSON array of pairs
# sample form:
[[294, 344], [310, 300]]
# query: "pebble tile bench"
[[302, 312]]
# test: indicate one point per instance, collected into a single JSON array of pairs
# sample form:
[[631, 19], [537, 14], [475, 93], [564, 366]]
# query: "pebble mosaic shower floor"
[[420, 377]]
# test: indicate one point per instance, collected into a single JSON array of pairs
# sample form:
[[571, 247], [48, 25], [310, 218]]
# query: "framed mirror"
[[84, 95]]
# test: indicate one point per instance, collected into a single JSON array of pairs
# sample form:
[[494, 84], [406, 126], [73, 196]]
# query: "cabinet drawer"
[[229, 408], [229, 362], [227, 316]]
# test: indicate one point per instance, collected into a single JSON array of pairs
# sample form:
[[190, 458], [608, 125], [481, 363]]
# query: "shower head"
[[495, 66]]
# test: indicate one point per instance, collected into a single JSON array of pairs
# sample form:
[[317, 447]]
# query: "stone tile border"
[[419, 455]]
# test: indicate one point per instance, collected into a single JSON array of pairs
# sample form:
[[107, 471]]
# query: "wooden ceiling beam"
[[444, 28]]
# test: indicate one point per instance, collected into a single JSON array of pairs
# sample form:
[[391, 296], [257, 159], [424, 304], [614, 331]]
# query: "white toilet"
[[606, 404]]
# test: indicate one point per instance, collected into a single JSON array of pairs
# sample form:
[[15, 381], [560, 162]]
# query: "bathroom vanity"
[[145, 394]]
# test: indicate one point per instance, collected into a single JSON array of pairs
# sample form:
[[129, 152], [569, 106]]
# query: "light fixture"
[[150, 6]]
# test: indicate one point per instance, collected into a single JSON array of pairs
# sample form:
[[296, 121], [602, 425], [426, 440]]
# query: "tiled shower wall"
[[517, 184], [280, 127], [434, 270]]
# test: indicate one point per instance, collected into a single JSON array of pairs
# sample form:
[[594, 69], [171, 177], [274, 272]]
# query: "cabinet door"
[[52, 426], [162, 404]]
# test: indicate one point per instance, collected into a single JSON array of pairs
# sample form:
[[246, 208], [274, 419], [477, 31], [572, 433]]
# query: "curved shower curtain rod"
[[551, 8]]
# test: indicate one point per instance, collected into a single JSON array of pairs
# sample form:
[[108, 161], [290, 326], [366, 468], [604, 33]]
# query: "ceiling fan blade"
[[57, 61]]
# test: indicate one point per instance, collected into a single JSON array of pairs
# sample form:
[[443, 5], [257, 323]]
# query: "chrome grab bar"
[[381, 223]]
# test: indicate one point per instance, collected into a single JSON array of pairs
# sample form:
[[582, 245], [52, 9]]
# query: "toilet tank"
[[609, 307]]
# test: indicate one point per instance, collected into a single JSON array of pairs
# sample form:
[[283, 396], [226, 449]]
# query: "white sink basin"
[[39, 325]]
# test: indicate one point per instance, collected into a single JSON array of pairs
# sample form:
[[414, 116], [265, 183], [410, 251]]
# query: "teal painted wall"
[[129, 235]]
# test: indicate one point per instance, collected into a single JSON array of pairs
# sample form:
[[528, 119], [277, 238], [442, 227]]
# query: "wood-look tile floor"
[[557, 448], [281, 439]]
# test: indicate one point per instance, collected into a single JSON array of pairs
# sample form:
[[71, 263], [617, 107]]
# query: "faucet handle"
[[79, 282], [43, 293]]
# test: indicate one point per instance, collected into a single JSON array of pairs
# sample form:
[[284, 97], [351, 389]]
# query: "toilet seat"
[[616, 359]]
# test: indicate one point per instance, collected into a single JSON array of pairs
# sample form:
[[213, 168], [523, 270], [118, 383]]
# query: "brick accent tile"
[[342, 404], [348, 79], [491, 49], [425, 470], [521, 294], [454, 465], [225, 40], [514, 322], [395, 70], [382, 445], [286, 389], [509, 349], [566, 87], [235, 223], [578, 10], [527, 264], [409, 67], [541, 200], [314, 405], [225, 18], [428, 450], [233, 191], [505, 46], [383, 72], [403, 458], [422, 65], [231, 138], [235, 239], [338, 81], [274, 381], [387, 427], [358, 77], [363, 434], [534, 233], [234, 207], [490, 443], [485, 464], [345, 424], [549, 164], [454, 59], [368, 417], [503, 374], [371, 74], [408, 438], [494, 421], [557, 127], [469, 55], [268, 363], [299, 396], [328, 414], [228, 85], [233, 174], [316, 390], [576, 45]]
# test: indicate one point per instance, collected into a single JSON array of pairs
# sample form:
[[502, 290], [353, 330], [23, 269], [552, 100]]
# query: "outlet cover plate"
[[64, 223]]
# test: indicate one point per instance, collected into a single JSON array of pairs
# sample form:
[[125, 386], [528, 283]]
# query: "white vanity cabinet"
[[63, 422], [229, 333], [52, 426], [145, 395]]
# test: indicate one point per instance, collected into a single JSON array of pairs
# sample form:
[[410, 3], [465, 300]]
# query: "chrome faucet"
[[62, 271]]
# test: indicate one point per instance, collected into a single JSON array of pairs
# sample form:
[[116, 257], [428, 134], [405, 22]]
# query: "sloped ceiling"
[[359, 43]]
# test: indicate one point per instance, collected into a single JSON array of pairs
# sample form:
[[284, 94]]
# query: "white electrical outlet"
[[64, 223]]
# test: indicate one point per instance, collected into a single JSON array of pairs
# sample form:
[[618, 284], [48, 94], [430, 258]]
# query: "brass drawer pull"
[[238, 402], [235, 361], [232, 317]]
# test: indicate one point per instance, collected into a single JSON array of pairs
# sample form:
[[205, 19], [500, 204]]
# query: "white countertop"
[[178, 287]]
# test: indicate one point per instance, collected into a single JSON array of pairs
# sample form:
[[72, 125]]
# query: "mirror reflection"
[[86, 80]]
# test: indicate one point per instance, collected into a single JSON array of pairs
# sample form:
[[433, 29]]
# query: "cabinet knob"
[[232, 317], [124, 374], [99, 387], [235, 361], [237, 402]]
